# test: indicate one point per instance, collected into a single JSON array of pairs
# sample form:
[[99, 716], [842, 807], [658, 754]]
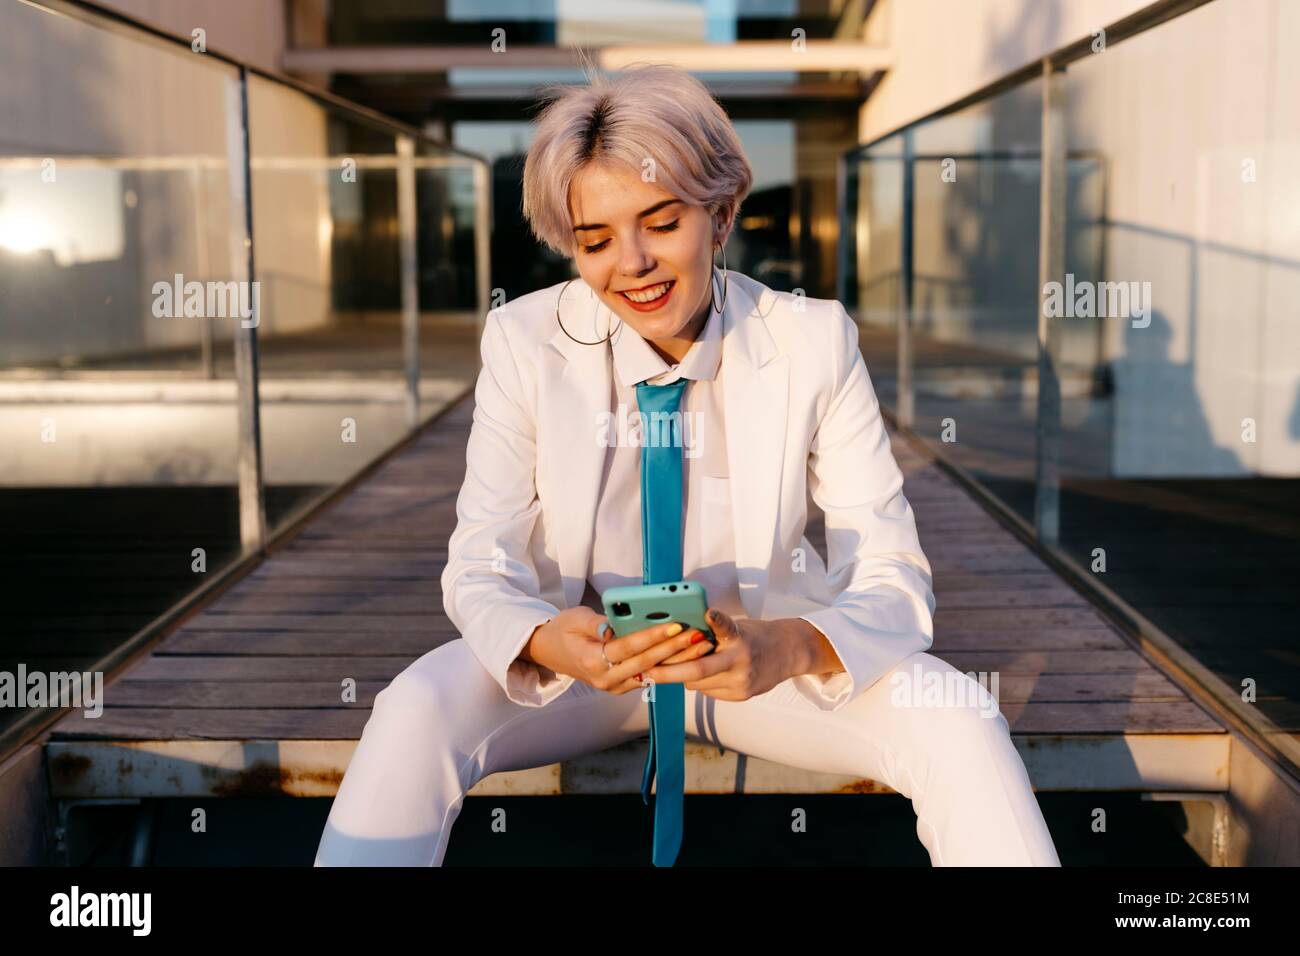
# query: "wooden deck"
[[244, 698]]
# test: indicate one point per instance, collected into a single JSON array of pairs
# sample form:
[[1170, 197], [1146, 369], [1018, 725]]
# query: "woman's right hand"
[[571, 642]]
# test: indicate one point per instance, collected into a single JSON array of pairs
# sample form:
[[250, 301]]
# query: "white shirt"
[[708, 545]]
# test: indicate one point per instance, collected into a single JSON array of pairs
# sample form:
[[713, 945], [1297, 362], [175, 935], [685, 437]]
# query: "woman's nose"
[[634, 260]]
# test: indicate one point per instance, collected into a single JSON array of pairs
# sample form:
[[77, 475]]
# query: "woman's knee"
[[951, 708], [441, 690]]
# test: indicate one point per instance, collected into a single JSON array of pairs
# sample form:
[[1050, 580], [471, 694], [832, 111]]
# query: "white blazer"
[[802, 418]]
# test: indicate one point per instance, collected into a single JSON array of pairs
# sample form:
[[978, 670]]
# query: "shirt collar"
[[635, 361]]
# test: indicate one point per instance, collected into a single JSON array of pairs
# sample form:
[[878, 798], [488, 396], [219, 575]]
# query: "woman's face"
[[632, 235]]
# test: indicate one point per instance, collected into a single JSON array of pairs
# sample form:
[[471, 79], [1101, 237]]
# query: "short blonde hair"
[[653, 111]]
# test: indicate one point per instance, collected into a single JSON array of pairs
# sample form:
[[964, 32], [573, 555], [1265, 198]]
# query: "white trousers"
[[443, 724]]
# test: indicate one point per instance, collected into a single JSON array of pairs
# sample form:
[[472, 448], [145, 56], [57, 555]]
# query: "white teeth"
[[650, 294]]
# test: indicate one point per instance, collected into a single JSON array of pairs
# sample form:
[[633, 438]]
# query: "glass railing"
[[222, 296], [1125, 388]]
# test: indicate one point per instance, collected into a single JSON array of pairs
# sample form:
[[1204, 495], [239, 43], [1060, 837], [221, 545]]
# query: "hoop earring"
[[579, 341], [712, 298]]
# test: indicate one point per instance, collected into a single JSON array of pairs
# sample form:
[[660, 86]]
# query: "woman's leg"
[[435, 731], [954, 759]]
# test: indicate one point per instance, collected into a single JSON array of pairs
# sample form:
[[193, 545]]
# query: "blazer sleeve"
[[884, 604], [490, 588]]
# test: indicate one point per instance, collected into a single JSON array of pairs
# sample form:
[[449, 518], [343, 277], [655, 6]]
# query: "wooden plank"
[[1109, 717], [417, 600], [1014, 619], [949, 598], [185, 667], [332, 586], [311, 643], [365, 626], [387, 567], [168, 723], [1047, 662], [978, 580], [220, 694], [1007, 562], [361, 537], [415, 641], [1048, 639], [228, 694]]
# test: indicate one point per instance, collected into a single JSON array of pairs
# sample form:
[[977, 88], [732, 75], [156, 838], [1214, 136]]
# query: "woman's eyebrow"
[[641, 215]]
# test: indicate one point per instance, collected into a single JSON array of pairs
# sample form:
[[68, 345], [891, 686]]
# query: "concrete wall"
[[1192, 134], [1198, 122], [946, 49], [250, 30]]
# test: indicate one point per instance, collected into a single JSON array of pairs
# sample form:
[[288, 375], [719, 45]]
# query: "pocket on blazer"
[[716, 488]]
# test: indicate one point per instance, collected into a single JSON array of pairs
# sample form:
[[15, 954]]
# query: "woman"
[[639, 178]]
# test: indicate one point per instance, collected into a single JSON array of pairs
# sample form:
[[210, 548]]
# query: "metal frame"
[[252, 489], [406, 228], [1051, 267], [906, 282]]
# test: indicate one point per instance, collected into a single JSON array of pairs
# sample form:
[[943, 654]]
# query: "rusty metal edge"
[[614, 770]]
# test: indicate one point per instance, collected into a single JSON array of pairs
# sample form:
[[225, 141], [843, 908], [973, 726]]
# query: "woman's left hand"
[[751, 658]]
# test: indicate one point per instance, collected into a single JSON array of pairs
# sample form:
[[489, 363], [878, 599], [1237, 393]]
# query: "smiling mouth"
[[650, 294]]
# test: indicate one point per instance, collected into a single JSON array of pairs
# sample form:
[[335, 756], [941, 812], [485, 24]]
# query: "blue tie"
[[661, 561]]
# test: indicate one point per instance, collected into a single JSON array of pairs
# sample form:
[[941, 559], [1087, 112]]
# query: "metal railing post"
[[252, 493], [842, 216], [906, 404], [1051, 267], [482, 251], [406, 228]]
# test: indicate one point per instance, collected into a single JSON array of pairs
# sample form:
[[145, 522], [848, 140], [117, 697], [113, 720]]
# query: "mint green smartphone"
[[640, 606]]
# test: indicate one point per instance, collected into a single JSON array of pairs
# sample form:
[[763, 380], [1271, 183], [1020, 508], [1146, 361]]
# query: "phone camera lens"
[[621, 609]]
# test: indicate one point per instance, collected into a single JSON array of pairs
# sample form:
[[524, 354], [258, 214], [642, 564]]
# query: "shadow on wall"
[[1160, 426]]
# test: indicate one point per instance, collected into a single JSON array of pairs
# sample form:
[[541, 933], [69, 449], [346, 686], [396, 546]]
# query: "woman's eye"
[[666, 227]]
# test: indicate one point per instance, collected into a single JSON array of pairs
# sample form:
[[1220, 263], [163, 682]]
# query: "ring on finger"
[[603, 631]]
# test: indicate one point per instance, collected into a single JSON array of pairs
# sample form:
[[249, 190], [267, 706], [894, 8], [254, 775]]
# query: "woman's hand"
[[571, 642], [752, 657]]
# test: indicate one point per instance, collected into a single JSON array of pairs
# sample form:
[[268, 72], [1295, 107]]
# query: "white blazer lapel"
[[756, 380], [574, 392]]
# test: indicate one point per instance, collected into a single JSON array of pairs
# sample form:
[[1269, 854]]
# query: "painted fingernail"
[[697, 638], [674, 630]]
